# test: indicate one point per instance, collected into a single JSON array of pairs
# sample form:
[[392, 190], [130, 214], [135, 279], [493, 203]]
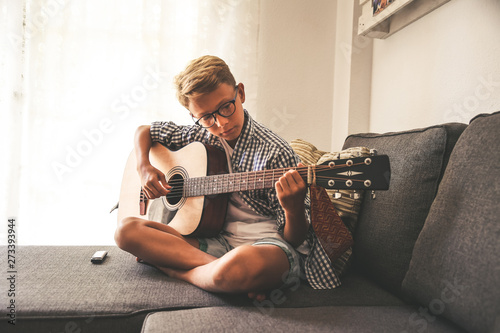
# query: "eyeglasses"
[[226, 110]]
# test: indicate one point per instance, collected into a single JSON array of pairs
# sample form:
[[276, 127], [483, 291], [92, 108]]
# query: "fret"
[[197, 184], [204, 185], [211, 184], [262, 177], [196, 187], [229, 183], [215, 185], [234, 184], [237, 182], [244, 182], [186, 191], [200, 186], [187, 188], [225, 183]]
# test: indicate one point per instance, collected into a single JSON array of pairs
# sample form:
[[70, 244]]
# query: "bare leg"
[[249, 269], [159, 244]]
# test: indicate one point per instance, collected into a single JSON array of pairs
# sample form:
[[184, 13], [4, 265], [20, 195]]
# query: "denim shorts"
[[218, 246]]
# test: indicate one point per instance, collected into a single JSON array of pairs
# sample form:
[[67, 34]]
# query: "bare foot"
[[173, 273], [139, 260], [258, 296]]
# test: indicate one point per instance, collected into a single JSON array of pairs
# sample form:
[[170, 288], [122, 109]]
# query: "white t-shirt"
[[243, 225]]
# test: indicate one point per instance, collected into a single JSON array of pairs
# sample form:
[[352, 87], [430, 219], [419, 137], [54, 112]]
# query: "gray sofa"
[[425, 259]]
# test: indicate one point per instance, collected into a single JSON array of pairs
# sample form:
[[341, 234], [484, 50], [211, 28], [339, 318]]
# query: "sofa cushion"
[[318, 319], [455, 268], [59, 290], [389, 225]]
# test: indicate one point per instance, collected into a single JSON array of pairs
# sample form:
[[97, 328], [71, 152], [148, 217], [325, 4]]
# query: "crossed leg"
[[159, 244], [249, 269]]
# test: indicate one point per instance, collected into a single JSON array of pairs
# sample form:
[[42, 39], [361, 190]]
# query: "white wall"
[[444, 67], [295, 69], [352, 76], [319, 81]]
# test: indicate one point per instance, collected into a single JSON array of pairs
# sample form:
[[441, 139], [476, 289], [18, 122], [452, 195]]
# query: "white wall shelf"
[[394, 17]]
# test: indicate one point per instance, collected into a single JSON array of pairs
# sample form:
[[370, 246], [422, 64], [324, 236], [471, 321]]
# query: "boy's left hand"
[[291, 190]]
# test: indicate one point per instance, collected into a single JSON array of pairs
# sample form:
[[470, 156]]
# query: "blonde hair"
[[202, 76]]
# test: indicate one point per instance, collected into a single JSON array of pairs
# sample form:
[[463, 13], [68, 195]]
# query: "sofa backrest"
[[389, 225], [455, 268]]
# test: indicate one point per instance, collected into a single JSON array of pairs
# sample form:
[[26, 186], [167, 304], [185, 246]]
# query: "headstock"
[[359, 173]]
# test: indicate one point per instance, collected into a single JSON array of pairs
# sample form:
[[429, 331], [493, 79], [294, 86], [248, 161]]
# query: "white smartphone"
[[99, 257]]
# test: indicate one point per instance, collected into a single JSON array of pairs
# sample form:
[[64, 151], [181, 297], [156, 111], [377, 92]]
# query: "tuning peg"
[[355, 195], [373, 195], [337, 194], [373, 152]]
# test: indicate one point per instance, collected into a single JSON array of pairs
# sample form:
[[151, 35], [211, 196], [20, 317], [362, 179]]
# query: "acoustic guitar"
[[201, 184]]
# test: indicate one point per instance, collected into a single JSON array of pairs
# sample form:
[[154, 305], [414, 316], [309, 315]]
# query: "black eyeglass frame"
[[233, 101]]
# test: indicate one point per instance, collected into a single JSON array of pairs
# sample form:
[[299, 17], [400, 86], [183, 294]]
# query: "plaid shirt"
[[257, 149]]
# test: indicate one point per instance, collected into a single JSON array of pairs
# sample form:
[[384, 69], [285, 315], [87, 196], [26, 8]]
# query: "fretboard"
[[235, 182]]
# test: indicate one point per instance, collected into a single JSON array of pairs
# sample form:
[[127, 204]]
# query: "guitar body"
[[200, 216]]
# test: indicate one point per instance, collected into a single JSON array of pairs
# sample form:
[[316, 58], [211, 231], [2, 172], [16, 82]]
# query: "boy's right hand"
[[153, 182]]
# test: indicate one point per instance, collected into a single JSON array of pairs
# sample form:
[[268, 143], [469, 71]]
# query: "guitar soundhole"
[[175, 195]]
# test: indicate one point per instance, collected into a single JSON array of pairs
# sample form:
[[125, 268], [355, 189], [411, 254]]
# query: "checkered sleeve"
[[177, 136], [318, 268]]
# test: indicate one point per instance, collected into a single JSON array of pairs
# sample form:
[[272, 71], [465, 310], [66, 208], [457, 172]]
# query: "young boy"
[[267, 241]]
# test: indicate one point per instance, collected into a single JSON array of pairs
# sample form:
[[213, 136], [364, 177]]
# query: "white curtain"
[[77, 79]]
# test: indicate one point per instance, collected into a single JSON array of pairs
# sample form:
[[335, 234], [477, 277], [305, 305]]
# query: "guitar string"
[[249, 187], [269, 175], [204, 190], [276, 173]]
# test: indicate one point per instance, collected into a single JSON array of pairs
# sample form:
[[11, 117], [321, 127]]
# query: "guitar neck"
[[236, 182], [360, 173]]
